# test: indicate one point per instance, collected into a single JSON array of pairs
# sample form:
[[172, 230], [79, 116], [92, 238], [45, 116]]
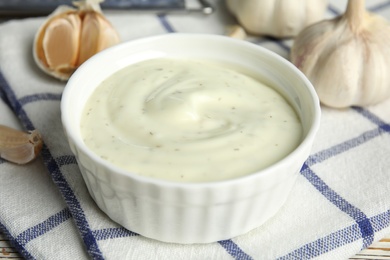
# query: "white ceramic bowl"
[[190, 212]]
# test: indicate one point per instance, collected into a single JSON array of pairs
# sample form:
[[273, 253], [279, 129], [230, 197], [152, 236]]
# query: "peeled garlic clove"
[[71, 36], [18, 146], [346, 58]]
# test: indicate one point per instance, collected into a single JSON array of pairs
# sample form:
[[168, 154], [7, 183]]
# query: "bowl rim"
[[71, 135]]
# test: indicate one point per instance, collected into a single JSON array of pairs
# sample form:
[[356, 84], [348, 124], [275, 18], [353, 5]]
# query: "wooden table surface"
[[379, 250], [6, 250]]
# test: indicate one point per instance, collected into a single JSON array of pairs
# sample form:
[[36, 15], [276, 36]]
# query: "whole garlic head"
[[70, 36], [346, 58], [278, 18]]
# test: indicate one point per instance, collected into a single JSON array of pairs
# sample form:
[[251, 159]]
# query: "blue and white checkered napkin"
[[339, 205]]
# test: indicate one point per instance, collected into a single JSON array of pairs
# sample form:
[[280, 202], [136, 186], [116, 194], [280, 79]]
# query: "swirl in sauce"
[[188, 121]]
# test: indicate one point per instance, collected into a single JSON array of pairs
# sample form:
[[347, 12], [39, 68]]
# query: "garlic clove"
[[346, 58], [71, 36], [62, 31], [90, 36], [96, 35], [40, 54], [18, 146]]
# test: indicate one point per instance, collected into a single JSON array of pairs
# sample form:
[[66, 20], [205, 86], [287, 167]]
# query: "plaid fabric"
[[339, 205]]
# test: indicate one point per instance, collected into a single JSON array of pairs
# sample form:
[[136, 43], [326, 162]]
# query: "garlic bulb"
[[278, 18], [346, 58], [70, 36], [19, 147]]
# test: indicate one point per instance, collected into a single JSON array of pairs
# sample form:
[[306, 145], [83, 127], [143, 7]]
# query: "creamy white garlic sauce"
[[188, 121]]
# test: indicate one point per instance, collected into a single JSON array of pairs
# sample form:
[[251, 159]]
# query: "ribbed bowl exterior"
[[185, 214], [190, 212]]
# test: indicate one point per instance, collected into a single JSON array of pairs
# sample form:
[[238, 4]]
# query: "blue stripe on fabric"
[[77, 212], [379, 7], [51, 164], [278, 42], [234, 250], [39, 97], [325, 244], [373, 9], [167, 26], [73, 203], [343, 147], [66, 160], [361, 219], [108, 233], [4, 97], [333, 10], [267, 39], [337, 239], [373, 118], [364, 224], [14, 104], [21, 249], [43, 227], [381, 221]]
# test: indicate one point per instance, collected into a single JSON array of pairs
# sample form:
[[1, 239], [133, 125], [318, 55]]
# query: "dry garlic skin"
[[188, 121], [346, 58]]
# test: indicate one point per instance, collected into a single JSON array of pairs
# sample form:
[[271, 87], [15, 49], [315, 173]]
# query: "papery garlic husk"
[[347, 59], [277, 18], [19, 147], [70, 36]]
